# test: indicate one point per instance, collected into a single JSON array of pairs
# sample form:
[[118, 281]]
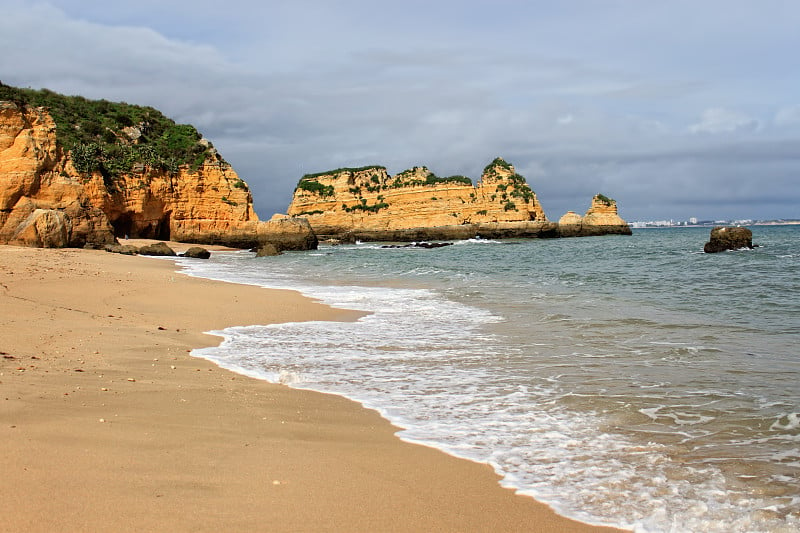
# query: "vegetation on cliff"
[[352, 170], [404, 179], [314, 186], [515, 185], [605, 199], [113, 137]]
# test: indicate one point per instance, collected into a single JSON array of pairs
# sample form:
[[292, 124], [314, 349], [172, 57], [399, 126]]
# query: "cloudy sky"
[[675, 108]]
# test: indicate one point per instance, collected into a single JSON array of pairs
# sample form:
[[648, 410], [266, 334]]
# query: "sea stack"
[[600, 219], [728, 238], [369, 204]]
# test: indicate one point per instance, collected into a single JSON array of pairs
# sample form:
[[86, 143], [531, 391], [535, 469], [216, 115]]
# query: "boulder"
[[197, 252], [159, 248], [44, 228], [287, 233], [267, 250], [125, 249], [728, 238]]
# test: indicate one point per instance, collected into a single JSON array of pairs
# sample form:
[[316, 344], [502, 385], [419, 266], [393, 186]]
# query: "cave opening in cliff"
[[122, 226], [162, 231]]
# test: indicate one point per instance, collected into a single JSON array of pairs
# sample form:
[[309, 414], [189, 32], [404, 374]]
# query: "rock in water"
[[728, 238], [159, 248], [267, 250], [197, 252]]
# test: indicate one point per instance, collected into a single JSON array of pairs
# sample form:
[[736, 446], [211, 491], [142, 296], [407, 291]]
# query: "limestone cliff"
[[50, 196], [368, 204], [601, 219]]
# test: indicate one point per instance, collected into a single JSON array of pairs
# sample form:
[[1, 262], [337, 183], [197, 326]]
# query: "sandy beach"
[[107, 423]]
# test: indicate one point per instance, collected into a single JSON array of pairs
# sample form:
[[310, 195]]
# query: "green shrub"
[[364, 207], [497, 162], [314, 186], [92, 132], [605, 199], [340, 170]]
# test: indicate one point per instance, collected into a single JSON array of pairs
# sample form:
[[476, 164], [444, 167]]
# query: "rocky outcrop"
[[368, 204], [197, 252], [124, 249], [267, 250], [601, 219], [44, 228], [46, 201], [157, 248], [728, 238], [414, 204]]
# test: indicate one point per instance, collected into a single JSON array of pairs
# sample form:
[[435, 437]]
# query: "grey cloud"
[[284, 88]]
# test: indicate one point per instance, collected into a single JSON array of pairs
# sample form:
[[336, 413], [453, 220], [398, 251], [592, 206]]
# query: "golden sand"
[[108, 424]]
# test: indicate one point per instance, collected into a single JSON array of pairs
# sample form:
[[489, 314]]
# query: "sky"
[[674, 108]]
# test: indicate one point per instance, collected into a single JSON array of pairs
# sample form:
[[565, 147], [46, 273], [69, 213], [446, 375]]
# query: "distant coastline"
[[639, 224]]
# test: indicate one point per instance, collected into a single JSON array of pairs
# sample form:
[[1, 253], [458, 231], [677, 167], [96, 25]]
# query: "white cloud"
[[788, 116], [721, 120], [565, 119]]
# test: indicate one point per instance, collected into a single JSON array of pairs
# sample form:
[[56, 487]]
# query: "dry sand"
[[108, 424]]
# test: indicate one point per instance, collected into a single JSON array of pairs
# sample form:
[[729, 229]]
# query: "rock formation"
[[600, 219], [157, 248], [45, 200], [415, 205], [728, 238], [197, 252]]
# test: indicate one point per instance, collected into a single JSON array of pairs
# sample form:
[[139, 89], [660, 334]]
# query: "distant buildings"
[[694, 222]]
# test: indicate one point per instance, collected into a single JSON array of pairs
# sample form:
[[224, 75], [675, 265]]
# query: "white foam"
[[792, 422], [431, 366]]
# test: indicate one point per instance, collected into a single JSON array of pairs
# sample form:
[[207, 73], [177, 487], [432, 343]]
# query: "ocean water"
[[630, 381]]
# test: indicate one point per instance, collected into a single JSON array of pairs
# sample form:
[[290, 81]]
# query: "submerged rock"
[[419, 245], [728, 238]]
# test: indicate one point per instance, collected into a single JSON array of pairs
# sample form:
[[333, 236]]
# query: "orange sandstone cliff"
[[368, 204], [46, 201], [600, 219]]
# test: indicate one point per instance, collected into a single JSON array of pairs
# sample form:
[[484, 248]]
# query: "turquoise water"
[[632, 381]]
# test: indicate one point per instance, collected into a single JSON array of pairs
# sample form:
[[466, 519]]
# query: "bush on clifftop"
[[111, 137]]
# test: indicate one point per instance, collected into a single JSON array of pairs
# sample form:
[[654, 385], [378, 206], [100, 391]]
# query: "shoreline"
[[109, 423]]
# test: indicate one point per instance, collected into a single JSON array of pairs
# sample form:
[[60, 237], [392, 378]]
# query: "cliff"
[[368, 204], [600, 219], [102, 179]]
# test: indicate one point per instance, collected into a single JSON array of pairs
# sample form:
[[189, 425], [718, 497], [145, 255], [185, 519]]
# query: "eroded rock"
[[197, 252], [158, 248], [724, 238]]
